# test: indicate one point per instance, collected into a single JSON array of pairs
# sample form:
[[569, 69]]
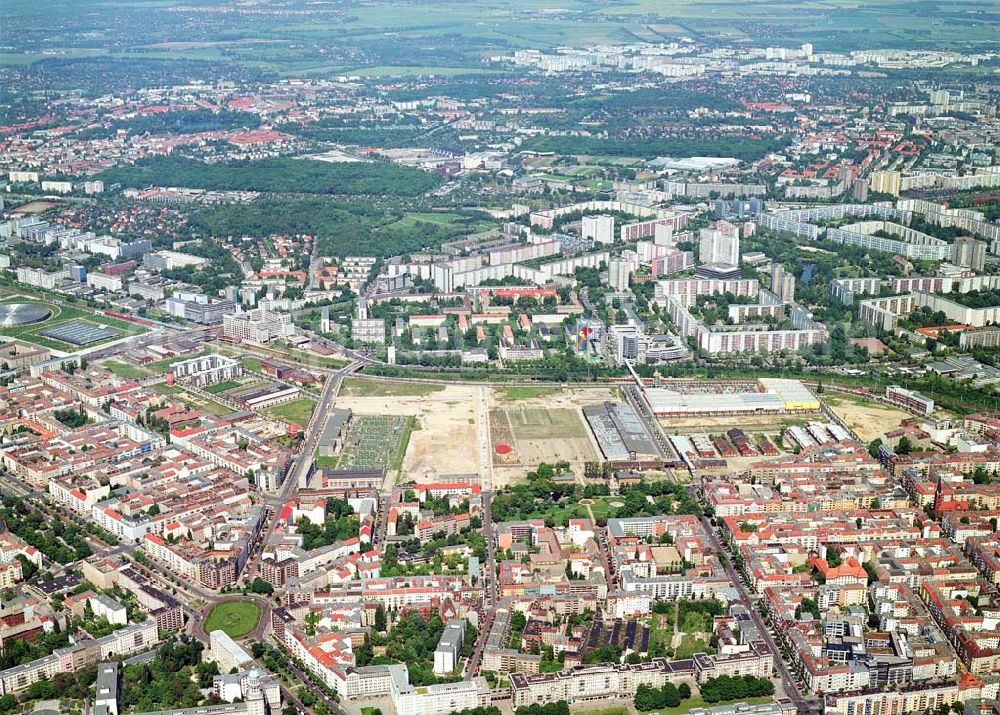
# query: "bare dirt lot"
[[445, 437], [543, 425], [549, 435], [868, 419], [458, 426]]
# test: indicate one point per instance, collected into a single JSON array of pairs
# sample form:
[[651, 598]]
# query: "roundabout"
[[236, 618]]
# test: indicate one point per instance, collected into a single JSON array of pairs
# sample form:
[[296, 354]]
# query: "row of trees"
[[669, 696], [727, 687], [560, 707], [744, 148]]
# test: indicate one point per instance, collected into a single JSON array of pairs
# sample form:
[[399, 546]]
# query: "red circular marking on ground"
[[502, 448]]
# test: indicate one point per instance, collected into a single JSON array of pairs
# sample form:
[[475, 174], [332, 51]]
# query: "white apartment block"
[[104, 282], [845, 289], [207, 369], [369, 331], [39, 278], [227, 653], [716, 246], [600, 228], [442, 698], [258, 326], [527, 252], [596, 682]]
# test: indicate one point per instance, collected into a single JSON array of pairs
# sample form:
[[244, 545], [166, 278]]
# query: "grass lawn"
[[125, 370], [542, 423], [604, 711], [411, 220], [298, 411], [195, 402], [661, 631], [306, 358], [326, 462], [695, 701], [165, 389], [221, 387], [601, 507], [695, 622], [512, 394], [691, 645], [359, 387], [236, 618], [396, 461], [212, 407], [251, 364], [160, 366]]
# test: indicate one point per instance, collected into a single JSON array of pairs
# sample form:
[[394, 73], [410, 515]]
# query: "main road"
[[299, 471], [791, 688], [489, 575]]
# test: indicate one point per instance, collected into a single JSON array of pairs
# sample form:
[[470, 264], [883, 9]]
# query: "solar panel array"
[[78, 332]]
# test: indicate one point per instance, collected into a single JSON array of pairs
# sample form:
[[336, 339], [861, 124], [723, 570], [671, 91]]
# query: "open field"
[[438, 218], [528, 392], [543, 435], [126, 370], [751, 424], [551, 397], [236, 618], [360, 387], [868, 419], [221, 387], [543, 423], [250, 363], [298, 411], [444, 434]]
